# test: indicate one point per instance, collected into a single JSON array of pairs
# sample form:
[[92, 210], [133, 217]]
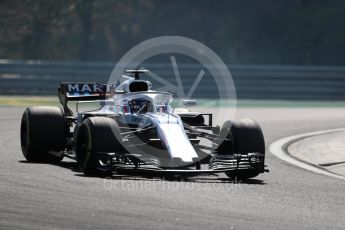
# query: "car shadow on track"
[[195, 179], [73, 166]]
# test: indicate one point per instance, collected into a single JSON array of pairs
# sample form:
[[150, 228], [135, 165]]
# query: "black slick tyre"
[[94, 136], [246, 137], [43, 134]]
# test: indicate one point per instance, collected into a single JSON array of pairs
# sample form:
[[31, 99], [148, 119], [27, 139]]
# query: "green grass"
[[27, 101], [51, 100], [288, 104]]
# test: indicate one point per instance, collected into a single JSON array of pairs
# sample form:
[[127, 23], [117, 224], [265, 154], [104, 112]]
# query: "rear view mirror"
[[188, 102]]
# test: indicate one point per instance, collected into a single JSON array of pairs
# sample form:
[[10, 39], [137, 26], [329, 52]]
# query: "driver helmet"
[[140, 106]]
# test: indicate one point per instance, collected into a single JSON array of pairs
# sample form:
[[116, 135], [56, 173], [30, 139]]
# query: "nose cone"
[[178, 144], [178, 162]]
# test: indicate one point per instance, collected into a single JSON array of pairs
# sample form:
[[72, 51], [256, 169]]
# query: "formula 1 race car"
[[136, 130]]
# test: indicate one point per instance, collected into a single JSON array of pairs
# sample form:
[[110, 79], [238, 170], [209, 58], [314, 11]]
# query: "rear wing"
[[84, 91]]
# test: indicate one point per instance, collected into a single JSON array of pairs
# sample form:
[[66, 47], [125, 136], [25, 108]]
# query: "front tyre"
[[43, 134], [245, 137], [96, 135]]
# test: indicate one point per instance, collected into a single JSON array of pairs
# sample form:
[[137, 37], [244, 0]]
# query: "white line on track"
[[278, 149]]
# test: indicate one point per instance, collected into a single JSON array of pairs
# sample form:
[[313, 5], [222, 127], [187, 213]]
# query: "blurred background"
[[275, 49]]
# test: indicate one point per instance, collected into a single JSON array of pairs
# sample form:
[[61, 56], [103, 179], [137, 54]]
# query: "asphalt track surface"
[[41, 196]]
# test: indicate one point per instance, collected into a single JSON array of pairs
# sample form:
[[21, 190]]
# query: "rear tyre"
[[246, 137], [96, 135], [43, 134]]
